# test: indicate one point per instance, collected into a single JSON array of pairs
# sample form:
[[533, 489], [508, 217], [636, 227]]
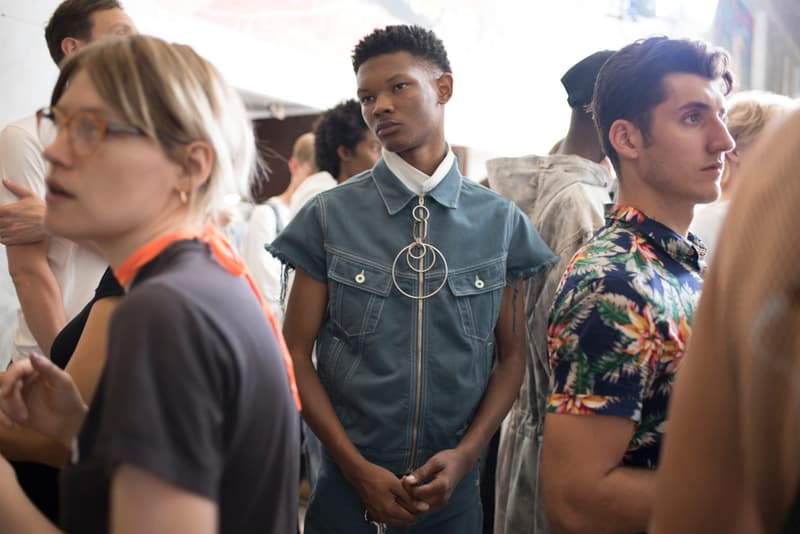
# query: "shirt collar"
[[691, 249], [413, 178], [396, 194]]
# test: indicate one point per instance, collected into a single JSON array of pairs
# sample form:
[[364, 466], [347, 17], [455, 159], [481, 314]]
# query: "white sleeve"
[[21, 160], [312, 187], [265, 269]]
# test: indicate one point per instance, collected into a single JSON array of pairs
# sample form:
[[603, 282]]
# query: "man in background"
[[54, 278], [343, 147]]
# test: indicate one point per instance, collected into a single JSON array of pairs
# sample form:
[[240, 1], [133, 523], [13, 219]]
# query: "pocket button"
[[478, 282], [360, 278]]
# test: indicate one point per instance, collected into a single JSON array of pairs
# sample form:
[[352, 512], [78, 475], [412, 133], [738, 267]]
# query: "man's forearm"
[[38, 292]]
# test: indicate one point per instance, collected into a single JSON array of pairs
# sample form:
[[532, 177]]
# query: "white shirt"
[[414, 179], [265, 223], [309, 188], [707, 223], [77, 269]]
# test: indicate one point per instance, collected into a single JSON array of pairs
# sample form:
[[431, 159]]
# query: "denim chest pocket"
[[478, 293], [356, 294]]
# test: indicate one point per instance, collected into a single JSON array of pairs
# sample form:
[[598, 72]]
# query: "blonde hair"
[[175, 97], [751, 111]]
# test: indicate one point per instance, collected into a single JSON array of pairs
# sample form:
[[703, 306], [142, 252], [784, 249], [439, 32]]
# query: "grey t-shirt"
[[194, 392]]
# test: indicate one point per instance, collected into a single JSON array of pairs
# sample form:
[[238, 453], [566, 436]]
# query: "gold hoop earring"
[[184, 197]]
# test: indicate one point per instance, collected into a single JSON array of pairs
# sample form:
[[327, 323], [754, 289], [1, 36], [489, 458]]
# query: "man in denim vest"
[[407, 278]]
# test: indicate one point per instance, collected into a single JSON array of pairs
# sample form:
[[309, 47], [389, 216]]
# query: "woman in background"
[[749, 114]]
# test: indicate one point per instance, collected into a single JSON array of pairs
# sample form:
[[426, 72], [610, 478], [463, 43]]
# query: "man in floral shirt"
[[622, 314]]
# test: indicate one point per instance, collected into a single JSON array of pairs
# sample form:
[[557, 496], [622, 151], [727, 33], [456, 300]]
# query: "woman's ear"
[[198, 161], [626, 139]]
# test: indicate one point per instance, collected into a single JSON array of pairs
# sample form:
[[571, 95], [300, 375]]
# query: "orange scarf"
[[227, 256]]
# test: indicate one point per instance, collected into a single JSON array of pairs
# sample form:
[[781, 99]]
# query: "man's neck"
[[673, 213], [426, 158], [581, 139]]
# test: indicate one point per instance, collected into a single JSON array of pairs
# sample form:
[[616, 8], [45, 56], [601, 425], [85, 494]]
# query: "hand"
[[435, 481], [21, 222], [385, 498], [35, 393]]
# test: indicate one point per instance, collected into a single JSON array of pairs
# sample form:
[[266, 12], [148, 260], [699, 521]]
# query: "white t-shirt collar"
[[413, 178]]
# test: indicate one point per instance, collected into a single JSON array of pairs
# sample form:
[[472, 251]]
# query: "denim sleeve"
[[301, 245], [527, 252]]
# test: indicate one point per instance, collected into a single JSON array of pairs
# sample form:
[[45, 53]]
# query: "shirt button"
[[478, 283], [360, 278]]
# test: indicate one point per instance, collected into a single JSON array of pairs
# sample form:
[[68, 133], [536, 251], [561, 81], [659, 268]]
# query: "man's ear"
[[69, 45], [626, 139], [344, 153], [444, 88], [293, 165], [198, 161]]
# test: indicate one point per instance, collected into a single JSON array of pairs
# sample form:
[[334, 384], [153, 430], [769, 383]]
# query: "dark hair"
[[73, 18], [630, 83], [342, 125], [415, 40]]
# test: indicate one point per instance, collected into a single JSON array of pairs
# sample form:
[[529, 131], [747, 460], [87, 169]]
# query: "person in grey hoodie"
[[563, 194]]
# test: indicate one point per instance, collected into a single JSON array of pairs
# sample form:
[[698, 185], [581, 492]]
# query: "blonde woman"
[[194, 424], [749, 114], [730, 461]]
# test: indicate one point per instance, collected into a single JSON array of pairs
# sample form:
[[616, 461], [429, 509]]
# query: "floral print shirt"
[[619, 325]]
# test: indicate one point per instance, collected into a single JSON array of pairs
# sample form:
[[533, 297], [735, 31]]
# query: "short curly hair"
[[415, 40], [342, 125]]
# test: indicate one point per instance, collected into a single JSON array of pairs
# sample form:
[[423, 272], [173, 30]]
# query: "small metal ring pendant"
[[418, 251], [436, 252]]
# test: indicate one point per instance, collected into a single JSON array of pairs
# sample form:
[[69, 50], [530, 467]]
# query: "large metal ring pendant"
[[410, 254]]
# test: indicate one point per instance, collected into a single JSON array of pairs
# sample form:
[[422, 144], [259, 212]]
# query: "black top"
[[39, 481], [792, 525], [196, 393]]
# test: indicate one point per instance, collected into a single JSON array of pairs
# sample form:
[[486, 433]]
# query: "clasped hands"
[[36, 394], [398, 502]]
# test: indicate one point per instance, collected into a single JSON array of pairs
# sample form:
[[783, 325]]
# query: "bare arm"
[[90, 353], [17, 513], [585, 488], [84, 367], [38, 291], [142, 502], [447, 468], [378, 488]]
